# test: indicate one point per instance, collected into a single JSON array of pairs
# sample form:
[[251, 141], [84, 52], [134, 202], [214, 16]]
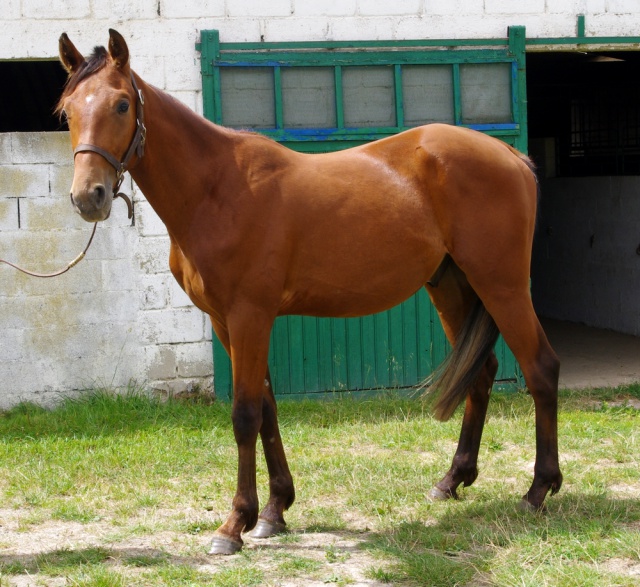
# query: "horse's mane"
[[95, 62]]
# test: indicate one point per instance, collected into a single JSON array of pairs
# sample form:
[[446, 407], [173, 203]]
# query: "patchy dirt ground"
[[336, 557], [592, 357]]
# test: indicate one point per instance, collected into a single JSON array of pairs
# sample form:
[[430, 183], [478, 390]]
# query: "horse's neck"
[[182, 153]]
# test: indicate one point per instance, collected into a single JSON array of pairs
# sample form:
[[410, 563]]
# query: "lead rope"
[[81, 255], [56, 273]]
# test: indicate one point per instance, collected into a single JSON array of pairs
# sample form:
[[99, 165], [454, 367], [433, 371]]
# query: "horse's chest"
[[188, 277]]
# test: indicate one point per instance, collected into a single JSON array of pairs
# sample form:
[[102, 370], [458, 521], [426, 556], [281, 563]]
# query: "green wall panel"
[[397, 349]]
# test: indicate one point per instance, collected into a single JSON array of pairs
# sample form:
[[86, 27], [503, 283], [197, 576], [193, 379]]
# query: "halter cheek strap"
[[135, 147]]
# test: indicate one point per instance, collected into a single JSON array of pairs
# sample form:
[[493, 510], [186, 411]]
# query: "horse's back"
[[360, 230]]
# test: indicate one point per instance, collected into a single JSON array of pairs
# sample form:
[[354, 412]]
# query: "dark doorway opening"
[[584, 135], [30, 93], [590, 104]]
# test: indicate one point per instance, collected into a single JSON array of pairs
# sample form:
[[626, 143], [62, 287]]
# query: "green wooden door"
[[327, 96]]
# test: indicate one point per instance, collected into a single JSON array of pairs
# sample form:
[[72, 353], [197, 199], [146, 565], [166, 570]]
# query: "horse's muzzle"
[[93, 205]]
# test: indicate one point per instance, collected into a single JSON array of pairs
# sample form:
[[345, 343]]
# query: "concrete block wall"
[[115, 318], [587, 252], [118, 316]]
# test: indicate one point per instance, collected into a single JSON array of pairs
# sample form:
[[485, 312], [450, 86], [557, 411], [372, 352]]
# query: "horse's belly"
[[340, 303], [353, 286]]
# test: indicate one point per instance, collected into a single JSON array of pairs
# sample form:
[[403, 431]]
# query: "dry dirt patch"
[[337, 555]]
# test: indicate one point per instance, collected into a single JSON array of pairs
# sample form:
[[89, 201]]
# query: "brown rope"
[[56, 273]]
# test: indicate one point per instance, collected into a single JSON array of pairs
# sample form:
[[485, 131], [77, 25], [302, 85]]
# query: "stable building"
[[557, 84]]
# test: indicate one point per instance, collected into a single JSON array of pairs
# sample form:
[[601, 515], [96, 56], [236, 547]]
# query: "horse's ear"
[[70, 57], [118, 49]]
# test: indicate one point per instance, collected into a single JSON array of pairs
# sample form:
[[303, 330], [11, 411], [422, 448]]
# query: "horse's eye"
[[123, 107]]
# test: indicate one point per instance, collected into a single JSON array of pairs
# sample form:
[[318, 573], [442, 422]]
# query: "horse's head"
[[103, 109]]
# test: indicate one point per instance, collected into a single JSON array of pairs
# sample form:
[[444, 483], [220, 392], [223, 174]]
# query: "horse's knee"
[[247, 420]]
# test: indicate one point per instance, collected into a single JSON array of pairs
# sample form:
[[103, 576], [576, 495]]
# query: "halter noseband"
[[136, 146]]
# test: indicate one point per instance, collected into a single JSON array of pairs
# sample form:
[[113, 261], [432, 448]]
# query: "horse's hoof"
[[224, 545], [436, 494], [266, 529]]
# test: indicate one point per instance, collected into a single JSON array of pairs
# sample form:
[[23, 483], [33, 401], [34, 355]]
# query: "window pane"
[[428, 94], [368, 96], [308, 97], [485, 92], [248, 98]]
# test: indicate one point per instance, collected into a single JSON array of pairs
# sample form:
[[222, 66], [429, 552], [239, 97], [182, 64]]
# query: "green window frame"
[[278, 59]]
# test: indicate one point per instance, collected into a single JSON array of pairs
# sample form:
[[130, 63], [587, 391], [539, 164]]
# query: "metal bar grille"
[[604, 136]]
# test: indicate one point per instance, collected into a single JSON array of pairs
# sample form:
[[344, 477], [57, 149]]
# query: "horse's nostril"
[[99, 193]]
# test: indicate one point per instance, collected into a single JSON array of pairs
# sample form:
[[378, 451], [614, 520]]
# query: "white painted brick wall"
[[317, 9], [119, 315], [8, 214], [271, 9], [454, 7], [11, 9], [622, 6], [47, 10], [519, 7], [386, 8]]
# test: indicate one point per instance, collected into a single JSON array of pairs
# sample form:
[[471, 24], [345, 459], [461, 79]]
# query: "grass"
[[135, 487]]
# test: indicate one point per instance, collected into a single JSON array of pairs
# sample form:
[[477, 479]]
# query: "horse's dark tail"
[[474, 344]]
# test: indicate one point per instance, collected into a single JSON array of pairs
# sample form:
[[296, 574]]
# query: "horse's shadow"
[[464, 543], [60, 560]]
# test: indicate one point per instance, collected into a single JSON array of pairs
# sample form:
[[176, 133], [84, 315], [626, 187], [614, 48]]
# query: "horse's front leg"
[[281, 490], [249, 345]]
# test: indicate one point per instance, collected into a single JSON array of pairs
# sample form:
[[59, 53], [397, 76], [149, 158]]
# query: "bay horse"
[[258, 230]]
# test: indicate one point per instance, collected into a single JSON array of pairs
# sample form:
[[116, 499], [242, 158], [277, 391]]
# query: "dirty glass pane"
[[428, 94], [248, 99], [308, 97], [368, 96], [485, 91]]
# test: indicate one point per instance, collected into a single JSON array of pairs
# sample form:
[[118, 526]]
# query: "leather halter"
[[135, 147]]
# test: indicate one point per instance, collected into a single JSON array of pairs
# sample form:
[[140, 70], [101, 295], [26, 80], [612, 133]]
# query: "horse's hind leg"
[[281, 490], [513, 313], [453, 298], [464, 468]]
